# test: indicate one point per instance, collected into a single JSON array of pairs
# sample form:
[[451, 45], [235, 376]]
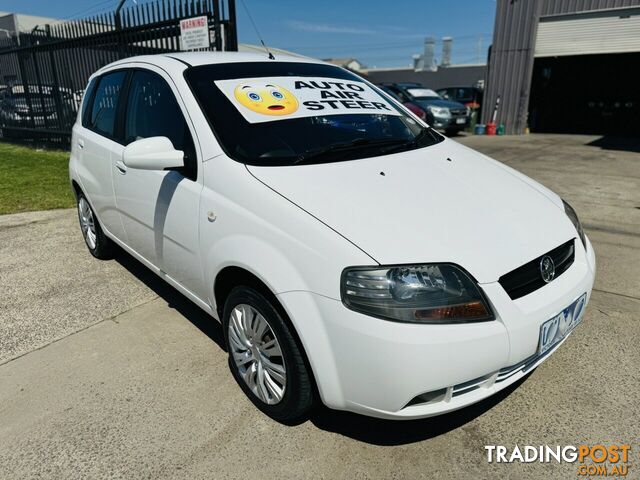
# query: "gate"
[[43, 73]]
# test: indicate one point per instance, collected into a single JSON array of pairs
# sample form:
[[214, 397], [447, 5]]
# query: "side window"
[[391, 93], [86, 100], [152, 111], [403, 98], [103, 110]]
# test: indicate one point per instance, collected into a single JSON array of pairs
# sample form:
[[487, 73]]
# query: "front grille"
[[459, 111], [527, 278]]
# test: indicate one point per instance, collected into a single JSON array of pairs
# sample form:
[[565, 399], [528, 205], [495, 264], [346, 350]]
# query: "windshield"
[[423, 93], [268, 113]]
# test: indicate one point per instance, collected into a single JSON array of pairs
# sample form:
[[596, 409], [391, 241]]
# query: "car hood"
[[439, 103], [444, 203]]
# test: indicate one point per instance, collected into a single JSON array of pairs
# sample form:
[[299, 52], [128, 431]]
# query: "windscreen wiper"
[[314, 155], [414, 142]]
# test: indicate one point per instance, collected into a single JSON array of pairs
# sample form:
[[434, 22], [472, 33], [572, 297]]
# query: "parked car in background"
[[411, 106], [15, 111], [468, 96], [441, 114]]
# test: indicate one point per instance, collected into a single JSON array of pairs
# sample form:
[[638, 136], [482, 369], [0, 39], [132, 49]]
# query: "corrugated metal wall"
[[511, 60]]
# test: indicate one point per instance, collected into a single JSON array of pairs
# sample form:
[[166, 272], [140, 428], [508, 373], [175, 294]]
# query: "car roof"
[[183, 60], [401, 84], [207, 58], [459, 86], [409, 84]]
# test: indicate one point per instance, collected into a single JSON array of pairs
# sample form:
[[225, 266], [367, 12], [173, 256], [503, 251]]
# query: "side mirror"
[[154, 153]]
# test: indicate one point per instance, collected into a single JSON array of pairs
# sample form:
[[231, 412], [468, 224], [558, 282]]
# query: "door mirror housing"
[[154, 153]]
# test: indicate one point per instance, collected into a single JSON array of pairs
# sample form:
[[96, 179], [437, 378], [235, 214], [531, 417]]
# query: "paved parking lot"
[[105, 372]]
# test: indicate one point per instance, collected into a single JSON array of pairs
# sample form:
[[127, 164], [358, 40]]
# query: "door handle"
[[121, 167], [81, 143]]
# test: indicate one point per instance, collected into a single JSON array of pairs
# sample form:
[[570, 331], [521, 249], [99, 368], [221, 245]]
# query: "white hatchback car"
[[352, 254]]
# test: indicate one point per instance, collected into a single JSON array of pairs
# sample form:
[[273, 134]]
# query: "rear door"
[[97, 147], [159, 209]]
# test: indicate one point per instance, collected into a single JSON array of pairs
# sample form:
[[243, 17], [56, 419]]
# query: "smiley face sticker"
[[266, 98]]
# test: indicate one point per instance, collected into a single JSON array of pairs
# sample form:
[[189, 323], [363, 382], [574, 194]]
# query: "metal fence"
[[43, 73]]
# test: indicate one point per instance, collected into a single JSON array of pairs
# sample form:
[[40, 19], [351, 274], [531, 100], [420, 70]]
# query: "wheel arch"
[[77, 189], [233, 276]]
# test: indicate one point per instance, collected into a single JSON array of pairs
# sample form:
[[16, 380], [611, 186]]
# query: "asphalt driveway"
[[106, 372]]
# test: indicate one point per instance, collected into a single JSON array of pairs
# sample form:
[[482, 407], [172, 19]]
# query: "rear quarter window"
[[87, 98], [102, 116]]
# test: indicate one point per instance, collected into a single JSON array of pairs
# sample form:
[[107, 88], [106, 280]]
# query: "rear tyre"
[[264, 357], [97, 242]]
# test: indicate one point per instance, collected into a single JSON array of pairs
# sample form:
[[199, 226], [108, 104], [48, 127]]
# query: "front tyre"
[[264, 357], [97, 242]]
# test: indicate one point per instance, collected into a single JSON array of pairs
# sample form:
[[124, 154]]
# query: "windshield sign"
[[266, 99], [422, 92], [290, 113]]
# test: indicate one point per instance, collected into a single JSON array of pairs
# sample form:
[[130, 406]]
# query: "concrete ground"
[[105, 372]]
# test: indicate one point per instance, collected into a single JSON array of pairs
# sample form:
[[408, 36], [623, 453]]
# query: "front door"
[[159, 209]]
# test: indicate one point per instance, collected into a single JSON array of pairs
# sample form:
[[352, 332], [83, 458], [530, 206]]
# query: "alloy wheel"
[[87, 223], [257, 354]]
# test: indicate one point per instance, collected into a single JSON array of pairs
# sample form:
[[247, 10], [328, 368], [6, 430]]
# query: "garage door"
[[614, 31], [593, 94]]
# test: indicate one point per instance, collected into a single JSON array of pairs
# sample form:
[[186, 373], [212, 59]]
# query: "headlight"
[[429, 293], [573, 216], [439, 111]]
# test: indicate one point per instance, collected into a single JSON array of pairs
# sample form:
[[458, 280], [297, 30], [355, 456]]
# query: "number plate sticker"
[[555, 329]]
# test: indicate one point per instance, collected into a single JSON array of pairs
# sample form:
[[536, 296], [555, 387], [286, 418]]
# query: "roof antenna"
[[244, 5]]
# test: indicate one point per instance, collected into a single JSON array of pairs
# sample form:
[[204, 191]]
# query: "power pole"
[[233, 27]]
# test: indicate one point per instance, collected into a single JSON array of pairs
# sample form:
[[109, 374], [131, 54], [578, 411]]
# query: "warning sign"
[[194, 33]]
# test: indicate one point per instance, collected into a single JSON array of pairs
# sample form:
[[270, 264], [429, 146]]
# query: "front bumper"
[[450, 122], [376, 367]]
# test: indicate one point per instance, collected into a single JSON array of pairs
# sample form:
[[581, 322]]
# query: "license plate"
[[461, 120], [555, 329]]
